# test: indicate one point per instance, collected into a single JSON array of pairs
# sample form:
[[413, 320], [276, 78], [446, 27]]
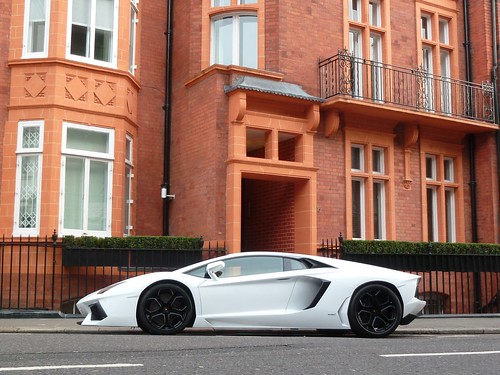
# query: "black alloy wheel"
[[375, 311], [164, 309]]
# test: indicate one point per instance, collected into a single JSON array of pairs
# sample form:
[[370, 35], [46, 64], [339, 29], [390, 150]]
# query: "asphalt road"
[[194, 353]]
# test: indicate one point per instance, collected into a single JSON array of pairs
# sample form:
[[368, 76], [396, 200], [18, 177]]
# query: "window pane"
[[448, 169], [104, 14], [248, 41], [430, 167], [31, 137], [450, 215], [443, 31], [378, 160], [355, 10], [28, 195], [357, 158], [85, 140], [74, 193], [80, 40], [247, 2], [431, 214], [132, 42], [36, 32], [378, 210], [426, 27], [98, 193], [127, 202], [375, 17], [81, 12], [103, 45], [357, 202], [223, 29], [221, 3]]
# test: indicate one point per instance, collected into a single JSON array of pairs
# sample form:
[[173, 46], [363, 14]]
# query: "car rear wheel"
[[164, 309], [374, 311]]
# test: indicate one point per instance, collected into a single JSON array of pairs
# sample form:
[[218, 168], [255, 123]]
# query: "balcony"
[[356, 85]]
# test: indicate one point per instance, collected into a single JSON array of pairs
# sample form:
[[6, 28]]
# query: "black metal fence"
[[411, 88], [451, 284], [40, 274]]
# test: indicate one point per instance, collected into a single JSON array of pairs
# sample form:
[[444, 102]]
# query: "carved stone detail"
[[34, 86], [104, 93], [76, 88]]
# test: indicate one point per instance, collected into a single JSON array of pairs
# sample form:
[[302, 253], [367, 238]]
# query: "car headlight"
[[103, 290]]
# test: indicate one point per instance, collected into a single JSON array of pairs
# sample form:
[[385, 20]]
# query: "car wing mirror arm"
[[214, 270]]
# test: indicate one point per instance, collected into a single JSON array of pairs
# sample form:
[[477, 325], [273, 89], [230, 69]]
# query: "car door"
[[249, 290]]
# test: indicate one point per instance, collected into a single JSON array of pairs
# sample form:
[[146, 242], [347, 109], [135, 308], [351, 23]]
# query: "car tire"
[[164, 309], [374, 311]]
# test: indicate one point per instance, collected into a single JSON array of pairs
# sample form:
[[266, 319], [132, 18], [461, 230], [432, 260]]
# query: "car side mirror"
[[214, 270]]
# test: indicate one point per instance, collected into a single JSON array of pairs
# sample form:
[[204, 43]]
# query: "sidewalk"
[[52, 322]]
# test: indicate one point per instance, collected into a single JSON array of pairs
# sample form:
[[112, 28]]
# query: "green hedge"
[[402, 247], [134, 242]]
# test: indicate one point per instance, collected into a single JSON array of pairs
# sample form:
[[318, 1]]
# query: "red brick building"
[[267, 124]]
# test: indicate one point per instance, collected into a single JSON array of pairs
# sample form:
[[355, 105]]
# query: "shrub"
[[402, 247]]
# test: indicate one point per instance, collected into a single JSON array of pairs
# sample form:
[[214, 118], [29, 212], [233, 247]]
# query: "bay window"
[[87, 166]]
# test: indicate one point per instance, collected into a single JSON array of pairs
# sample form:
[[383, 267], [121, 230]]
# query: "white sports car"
[[260, 290]]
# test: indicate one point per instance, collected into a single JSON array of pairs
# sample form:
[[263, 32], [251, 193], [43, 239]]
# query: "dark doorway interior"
[[268, 215]]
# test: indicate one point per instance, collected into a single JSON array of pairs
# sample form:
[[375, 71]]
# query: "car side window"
[[293, 264], [252, 266]]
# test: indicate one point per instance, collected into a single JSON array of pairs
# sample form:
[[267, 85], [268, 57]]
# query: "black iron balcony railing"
[[416, 89]]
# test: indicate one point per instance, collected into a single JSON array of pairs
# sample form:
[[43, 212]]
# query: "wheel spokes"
[[376, 311], [167, 310]]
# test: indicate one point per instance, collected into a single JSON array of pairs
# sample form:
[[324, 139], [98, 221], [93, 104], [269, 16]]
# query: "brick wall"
[[268, 216], [5, 5], [151, 98]]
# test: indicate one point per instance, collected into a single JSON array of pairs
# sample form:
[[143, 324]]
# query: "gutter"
[[165, 187]]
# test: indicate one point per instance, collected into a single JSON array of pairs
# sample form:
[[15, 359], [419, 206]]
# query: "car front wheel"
[[164, 309], [374, 311]]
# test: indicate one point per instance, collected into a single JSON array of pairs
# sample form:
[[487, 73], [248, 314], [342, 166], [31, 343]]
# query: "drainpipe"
[[165, 187], [494, 79], [472, 138]]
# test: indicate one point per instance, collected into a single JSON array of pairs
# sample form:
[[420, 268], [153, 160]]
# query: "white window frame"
[[28, 152], [362, 207], [445, 81], [361, 149], [451, 231], [375, 10], [355, 10], [444, 31], [426, 30], [433, 165], [381, 210], [236, 48], [449, 173], [27, 32], [381, 160], [134, 20], [90, 59], [356, 50], [433, 217], [129, 175], [376, 70], [88, 156]]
